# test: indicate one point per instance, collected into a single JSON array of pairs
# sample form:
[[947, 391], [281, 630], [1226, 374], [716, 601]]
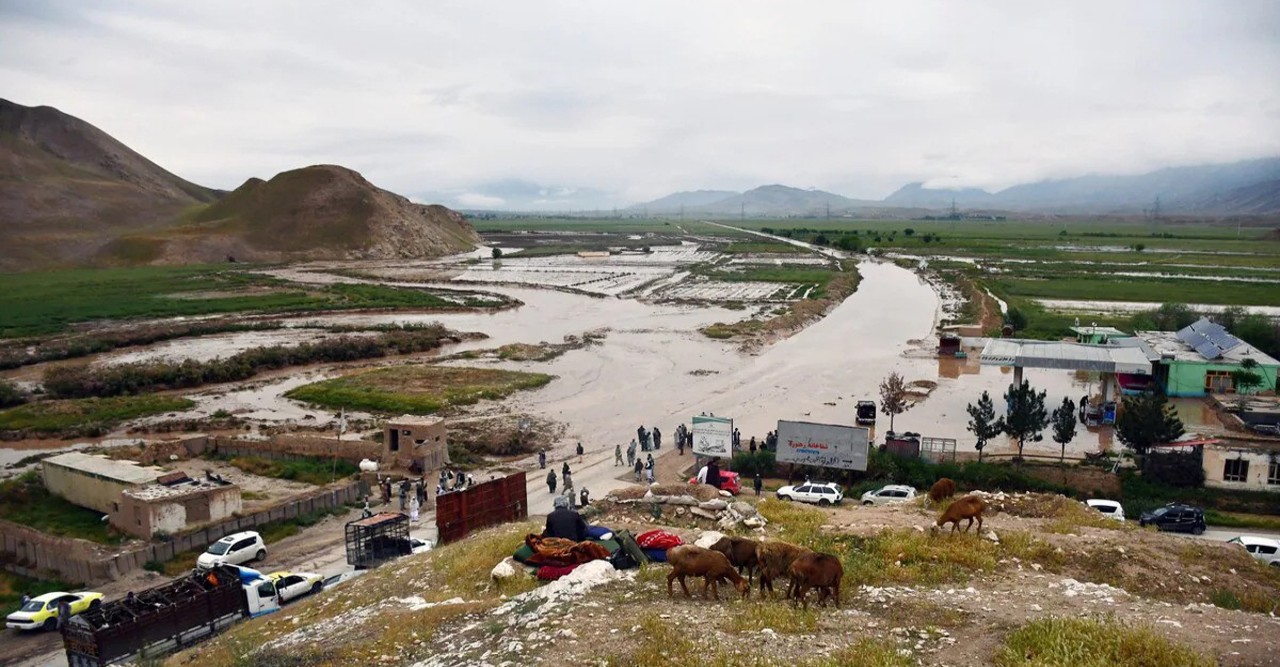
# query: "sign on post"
[[713, 436], [823, 445]]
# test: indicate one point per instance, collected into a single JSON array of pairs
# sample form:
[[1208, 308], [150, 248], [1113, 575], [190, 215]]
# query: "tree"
[[1246, 377], [893, 397], [983, 423], [1148, 420], [909, 231], [1026, 416], [1016, 319], [497, 253], [1064, 426]]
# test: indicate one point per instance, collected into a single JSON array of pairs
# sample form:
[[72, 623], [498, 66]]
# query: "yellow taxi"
[[41, 611]]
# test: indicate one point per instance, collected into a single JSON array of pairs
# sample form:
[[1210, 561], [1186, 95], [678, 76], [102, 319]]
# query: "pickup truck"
[[168, 617]]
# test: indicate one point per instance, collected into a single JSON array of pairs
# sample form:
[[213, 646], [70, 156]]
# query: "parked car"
[[418, 546], [893, 493], [729, 481], [821, 493], [1265, 549], [41, 611], [1109, 508], [342, 577], [293, 585], [235, 549], [1175, 517]]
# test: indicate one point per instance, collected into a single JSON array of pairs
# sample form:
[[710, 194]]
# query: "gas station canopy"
[[1065, 356]]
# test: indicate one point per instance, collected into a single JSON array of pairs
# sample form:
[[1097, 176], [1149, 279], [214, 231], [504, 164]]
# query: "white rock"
[[725, 494], [754, 522], [713, 505], [991, 535], [708, 538], [506, 569]]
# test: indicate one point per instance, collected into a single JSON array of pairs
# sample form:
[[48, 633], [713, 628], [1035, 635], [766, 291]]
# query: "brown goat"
[[774, 560], [968, 507], [815, 570], [688, 560], [941, 490], [741, 552]]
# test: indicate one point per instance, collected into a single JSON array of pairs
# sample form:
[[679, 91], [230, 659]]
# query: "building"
[[1096, 335], [94, 481], [173, 505], [1242, 466], [415, 443], [1200, 359]]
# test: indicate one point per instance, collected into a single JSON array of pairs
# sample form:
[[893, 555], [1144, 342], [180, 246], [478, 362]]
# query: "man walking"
[[542, 459], [579, 452], [657, 438], [568, 485], [758, 484], [564, 469], [631, 453], [617, 455], [551, 482]]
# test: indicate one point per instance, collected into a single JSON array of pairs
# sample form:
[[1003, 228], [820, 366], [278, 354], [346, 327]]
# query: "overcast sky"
[[591, 103]]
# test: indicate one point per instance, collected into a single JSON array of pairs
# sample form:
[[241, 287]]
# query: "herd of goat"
[[806, 570]]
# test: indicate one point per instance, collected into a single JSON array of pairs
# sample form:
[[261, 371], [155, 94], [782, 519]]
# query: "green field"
[[85, 415], [24, 500], [45, 302], [416, 389]]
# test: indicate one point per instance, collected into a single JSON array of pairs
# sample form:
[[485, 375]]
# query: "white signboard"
[[713, 436], [823, 445]]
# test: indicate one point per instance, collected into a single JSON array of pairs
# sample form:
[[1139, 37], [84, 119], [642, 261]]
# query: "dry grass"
[[1082, 642], [780, 616]]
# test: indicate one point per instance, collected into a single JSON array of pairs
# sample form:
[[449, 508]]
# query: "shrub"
[[1092, 643]]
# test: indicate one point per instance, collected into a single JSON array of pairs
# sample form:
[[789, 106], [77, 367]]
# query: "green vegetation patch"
[[1080, 642], [764, 247], [86, 415], [24, 500], [417, 389], [1140, 289], [308, 471]]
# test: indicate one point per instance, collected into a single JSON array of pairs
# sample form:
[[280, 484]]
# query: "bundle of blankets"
[[555, 557]]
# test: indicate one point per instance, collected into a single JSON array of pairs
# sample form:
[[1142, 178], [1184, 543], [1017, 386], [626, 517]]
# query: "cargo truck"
[[377, 538], [168, 617]]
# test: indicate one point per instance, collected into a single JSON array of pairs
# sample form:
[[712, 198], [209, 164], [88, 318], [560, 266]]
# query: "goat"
[[968, 507], [815, 570], [774, 560], [741, 552], [688, 560], [941, 490]]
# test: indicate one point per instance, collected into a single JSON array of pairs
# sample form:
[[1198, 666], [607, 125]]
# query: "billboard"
[[823, 445], [713, 436]]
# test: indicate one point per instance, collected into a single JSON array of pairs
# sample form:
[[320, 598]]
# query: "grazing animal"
[[941, 490], [815, 570], [774, 560], [688, 560], [968, 507], [741, 552]]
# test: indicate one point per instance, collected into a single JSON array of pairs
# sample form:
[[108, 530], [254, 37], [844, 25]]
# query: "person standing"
[[713, 473], [631, 453], [680, 443], [404, 495], [564, 469], [752, 444], [585, 497], [568, 485], [758, 484], [617, 455], [542, 459], [640, 436], [657, 438], [551, 482], [580, 452], [638, 467]]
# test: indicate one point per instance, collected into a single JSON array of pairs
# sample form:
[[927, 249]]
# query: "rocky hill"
[[66, 187], [322, 211]]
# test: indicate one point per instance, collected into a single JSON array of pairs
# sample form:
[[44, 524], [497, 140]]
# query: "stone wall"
[[288, 447], [30, 553]]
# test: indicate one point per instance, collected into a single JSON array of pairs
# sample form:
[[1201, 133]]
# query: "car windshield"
[[1160, 511], [219, 548], [32, 606]]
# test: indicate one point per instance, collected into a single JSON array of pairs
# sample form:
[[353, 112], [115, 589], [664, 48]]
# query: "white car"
[[1109, 508], [893, 493], [821, 493], [293, 585], [235, 549], [1265, 549], [419, 546]]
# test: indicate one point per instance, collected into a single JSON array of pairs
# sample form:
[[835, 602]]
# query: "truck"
[[377, 538], [865, 413], [168, 617]]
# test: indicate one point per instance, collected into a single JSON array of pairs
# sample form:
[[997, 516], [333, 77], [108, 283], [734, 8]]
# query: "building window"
[[1273, 473], [1235, 470], [1218, 382]]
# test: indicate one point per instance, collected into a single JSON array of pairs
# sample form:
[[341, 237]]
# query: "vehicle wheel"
[[317, 587], [50, 624], [95, 604], [785, 498], [1198, 530], [261, 555], [867, 502], [824, 502]]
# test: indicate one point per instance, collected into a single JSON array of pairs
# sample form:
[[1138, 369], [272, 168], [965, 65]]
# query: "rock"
[[697, 511], [753, 522], [708, 538], [658, 500], [713, 505], [991, 535], [681, 511], [682, 500], [505, 569], [919, 529], [745, 509], [725, 494]]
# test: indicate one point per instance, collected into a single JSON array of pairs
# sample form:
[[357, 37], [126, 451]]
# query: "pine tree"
[[1064, 426], [1148, 420], [983, 423], [1026, 416]]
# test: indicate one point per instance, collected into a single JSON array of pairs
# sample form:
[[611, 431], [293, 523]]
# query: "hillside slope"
[[67, 186], [322, 211]]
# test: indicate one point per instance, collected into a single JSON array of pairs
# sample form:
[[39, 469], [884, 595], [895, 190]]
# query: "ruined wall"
[[1260, 476], [287, 447], [81, 489], [30, 553]]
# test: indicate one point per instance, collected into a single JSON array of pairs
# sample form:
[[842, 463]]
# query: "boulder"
[[713, 505], [708, 538], [682, 500], [745, 509], [697, 511], [753, 522], [506, 569]]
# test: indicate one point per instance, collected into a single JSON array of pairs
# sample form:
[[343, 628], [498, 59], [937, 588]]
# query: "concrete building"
[[1096, 335], [94, 481], [415, 443], [1239, 466], [171, 508], [1200, 359]]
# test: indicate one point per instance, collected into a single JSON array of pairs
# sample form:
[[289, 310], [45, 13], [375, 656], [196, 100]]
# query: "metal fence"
[[458, 513], [938, 450]]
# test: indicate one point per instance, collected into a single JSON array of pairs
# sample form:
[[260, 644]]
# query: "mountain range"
[[71, 194], [1249, 187]]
